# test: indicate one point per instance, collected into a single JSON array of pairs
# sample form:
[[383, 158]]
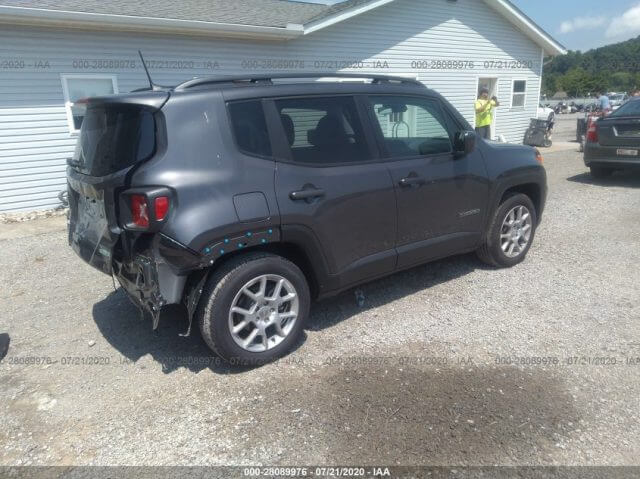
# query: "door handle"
[[412, 180], [306, 194]]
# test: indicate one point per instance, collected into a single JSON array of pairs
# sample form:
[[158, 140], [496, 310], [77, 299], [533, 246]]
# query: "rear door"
[[440, 197], [114, 137], [331, 185]]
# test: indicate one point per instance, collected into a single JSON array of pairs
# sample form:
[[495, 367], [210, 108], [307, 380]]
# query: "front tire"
[[253, 309], [601, 172], [510, 233]]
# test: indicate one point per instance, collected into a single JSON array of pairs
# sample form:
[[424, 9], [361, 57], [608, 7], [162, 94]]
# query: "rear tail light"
[[592, 132], [145, 208], [140, 211], [161, 207]]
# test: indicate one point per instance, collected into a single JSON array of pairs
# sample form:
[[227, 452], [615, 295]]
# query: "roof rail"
[[277, 76]]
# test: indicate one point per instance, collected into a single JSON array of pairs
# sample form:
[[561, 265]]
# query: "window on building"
[[77, 88], [323, 130], [250, 127], [411, 126], [519, 93]]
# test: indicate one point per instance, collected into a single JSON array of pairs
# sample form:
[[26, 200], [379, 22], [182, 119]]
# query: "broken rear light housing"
[[145, 209]]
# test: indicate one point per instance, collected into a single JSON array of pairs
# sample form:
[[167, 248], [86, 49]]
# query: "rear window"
[[631, 108], [250, 127], [115, 137]]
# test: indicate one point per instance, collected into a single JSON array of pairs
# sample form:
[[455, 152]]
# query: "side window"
[[323, 130], [519, 93], [250, 127], [411, 126]]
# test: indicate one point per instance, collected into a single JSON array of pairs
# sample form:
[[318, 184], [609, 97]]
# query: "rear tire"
[[269, 296], [601, 172], [511, 232]]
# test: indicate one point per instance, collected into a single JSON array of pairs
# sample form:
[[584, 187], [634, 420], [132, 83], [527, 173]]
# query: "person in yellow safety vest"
[[484, 113]]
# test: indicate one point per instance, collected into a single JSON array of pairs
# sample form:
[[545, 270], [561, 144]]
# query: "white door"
[[491, 84]]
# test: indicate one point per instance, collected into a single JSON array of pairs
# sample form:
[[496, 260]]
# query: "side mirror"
[[465, 142]]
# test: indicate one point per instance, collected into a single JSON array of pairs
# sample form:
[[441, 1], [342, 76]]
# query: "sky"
[[579, 24], [585, 24]]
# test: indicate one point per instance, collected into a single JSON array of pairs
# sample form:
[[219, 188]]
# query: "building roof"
[[267, 13], [276, 19]]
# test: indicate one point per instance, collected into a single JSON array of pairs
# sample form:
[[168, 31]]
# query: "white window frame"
[[65, 90], [513, 85]]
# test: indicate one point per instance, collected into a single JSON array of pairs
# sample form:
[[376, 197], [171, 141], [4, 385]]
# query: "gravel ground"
[[452, 363]]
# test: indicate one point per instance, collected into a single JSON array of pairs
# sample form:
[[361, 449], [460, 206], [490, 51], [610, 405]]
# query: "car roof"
[[213, 81], [285, 84], [232, 88]]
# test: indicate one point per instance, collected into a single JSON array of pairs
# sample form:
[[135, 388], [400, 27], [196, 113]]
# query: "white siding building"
[[53, 53]]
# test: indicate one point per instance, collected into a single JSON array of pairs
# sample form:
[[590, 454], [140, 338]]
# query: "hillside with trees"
[[610, 68]]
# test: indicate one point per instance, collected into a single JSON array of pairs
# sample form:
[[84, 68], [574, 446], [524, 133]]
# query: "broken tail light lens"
[[145, 208], [140, 211]]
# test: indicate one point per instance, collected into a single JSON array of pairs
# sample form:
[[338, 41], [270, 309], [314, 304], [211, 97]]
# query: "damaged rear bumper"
[[158, 275]]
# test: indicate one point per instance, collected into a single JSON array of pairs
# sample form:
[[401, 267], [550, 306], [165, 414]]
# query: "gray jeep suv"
[[246, 198]]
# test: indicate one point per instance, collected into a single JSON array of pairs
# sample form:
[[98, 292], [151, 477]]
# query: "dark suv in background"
[[245, 198]]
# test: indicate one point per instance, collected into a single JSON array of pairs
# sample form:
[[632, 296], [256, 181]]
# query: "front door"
[[490, 84], [332, 186], [440, 197]]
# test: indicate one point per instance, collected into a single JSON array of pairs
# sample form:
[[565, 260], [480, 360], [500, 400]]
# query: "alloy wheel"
[[515, 233], [263, 313]]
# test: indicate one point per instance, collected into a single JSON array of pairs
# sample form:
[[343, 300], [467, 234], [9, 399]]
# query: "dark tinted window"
[[411, 126], [114, 137], [250, 127], [323, 130], [631, 108]]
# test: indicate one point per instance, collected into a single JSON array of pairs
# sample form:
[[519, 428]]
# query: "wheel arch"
[[288, 250], [532, 190]]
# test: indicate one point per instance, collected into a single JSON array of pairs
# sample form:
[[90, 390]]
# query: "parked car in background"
[[613, 142], [545, 112], [246, 198], [617, 99]]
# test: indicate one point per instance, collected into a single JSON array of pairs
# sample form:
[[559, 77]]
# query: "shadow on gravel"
[[625, 178], [413, 415], [332, 311], [121, 323]]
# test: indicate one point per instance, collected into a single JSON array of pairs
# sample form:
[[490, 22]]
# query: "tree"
[[612, 67], [622, 81], [576, 82], [550, 84]]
